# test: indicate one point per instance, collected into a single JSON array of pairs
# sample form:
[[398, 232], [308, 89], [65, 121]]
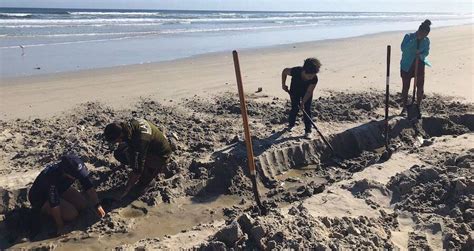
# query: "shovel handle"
[[389, 49], [387, 95], [416, 71], [319, 132], [248, 138]]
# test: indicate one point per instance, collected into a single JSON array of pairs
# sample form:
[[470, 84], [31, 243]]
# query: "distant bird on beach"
[[22, 50]]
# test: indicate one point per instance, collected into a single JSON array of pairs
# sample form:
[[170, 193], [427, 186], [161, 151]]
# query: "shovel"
[[319, 132], [413, 109], [339, 158], [388, 152], [248, 138]]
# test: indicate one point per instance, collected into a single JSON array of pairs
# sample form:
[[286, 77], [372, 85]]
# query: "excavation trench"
[[290, 164], [274, 163], [355, 141]]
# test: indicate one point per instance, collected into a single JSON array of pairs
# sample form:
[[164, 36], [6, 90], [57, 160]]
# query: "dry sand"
[[420, 198], [352, 65]]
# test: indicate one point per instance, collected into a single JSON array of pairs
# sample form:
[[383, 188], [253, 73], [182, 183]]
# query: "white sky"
[[262, 5]]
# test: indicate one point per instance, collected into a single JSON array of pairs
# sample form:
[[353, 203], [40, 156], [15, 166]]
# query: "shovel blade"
[[386, 155], [413, 112]]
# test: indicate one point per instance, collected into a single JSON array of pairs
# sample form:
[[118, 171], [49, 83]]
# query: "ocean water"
[[39, 41]]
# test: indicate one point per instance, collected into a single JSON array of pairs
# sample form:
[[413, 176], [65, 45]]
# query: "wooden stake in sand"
[[248, 139]]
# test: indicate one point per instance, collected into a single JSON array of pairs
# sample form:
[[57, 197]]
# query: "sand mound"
[[440, 197], [210, 159], [297, 229]]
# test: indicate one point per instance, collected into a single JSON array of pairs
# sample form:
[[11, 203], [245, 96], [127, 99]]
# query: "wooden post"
[[248, 138], [387, 96]]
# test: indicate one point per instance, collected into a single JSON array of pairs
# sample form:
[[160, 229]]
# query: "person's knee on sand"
[[68, 211], [52, 192], [75, 198], [147, 176], [153, 167]]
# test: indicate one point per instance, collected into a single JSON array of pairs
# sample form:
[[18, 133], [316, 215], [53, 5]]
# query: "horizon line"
[[276, 11]]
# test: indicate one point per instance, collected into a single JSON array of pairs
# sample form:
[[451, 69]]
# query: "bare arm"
[[137, 164], [308, 94], [92, 194], [284, 74], [56, 214]]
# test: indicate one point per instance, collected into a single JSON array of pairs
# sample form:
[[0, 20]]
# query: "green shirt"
[[144, 138]]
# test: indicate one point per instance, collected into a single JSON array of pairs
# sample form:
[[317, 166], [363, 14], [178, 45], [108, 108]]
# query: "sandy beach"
[[420, 198], [349, 65]]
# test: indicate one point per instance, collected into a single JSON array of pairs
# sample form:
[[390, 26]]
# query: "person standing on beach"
[[414, 45], [52, 192], [142, 146], [303, 81]]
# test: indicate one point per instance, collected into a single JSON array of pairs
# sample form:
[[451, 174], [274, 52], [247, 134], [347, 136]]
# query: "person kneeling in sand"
[[142, 146], [52, 192], [303, 82]]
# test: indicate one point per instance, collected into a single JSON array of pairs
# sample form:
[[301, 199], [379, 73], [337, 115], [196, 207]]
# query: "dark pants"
[[406, 79], [154, 164], [295, 107]]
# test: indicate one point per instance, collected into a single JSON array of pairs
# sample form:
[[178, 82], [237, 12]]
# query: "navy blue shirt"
[[51, 183]]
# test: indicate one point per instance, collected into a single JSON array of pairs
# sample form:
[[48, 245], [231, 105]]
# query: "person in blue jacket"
[[414, 45], [52, 192]]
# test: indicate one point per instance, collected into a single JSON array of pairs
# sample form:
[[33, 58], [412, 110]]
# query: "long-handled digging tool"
[[336, 158], [248, 139], [413, 109], [320, 133], [388, 152]]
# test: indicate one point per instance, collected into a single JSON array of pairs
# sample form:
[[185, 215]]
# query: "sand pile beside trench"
[[209, 161]]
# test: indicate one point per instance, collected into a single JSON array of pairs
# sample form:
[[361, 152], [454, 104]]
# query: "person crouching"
[[52, 192], [142, 146]]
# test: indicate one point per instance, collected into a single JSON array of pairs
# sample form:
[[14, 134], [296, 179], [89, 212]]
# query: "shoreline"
[[41, 95], [212, 54], [62, 56]]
